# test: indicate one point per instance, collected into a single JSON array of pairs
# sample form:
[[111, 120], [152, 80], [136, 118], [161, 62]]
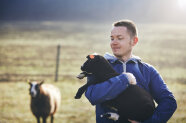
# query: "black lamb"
[[133, 103]]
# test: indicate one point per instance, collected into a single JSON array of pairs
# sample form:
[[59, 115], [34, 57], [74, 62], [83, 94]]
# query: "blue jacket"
[[147, 77]]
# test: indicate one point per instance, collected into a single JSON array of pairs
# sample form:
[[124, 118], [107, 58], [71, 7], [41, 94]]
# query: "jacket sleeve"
[[107, 90], [163, 97]]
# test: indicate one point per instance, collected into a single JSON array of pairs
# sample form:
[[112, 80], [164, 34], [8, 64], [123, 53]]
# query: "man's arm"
[[164, 98], [107, 90]]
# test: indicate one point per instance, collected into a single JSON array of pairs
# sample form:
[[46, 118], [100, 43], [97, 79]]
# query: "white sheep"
[[45, 100]]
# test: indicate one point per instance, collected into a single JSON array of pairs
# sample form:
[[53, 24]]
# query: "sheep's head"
[[35, 88], [91, 66]]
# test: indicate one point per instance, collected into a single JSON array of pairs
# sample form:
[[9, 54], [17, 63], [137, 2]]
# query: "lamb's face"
[[88, 66], [93, 65], [34, 88]]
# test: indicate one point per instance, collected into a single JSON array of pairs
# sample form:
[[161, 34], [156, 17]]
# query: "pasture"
[[28, 51]]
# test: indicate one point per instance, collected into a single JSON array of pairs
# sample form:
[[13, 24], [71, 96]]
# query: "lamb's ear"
[[41, 82], [91, 56], [29, 82], [88, 57]]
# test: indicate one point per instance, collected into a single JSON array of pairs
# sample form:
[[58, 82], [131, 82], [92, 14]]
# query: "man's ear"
[[135, 41]]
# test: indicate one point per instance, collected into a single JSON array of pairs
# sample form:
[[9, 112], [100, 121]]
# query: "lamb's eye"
[[37, 87]]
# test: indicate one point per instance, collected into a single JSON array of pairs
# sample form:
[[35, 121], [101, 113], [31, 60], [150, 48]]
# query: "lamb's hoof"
[[106, 115], [110, 115], [81, 76], [77, 97]]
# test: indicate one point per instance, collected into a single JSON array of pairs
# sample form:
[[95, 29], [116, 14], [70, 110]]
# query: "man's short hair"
[[131, 27]]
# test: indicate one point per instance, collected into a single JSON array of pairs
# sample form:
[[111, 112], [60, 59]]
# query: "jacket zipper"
[[124, 66]]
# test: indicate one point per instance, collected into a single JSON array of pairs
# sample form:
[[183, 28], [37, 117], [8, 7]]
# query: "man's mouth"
[[115, 48]]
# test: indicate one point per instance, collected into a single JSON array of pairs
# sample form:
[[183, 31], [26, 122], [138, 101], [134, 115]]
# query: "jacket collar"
[[111, 58]]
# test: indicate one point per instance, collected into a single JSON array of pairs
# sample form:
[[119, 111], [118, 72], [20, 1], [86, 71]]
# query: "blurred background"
[[31, 30]]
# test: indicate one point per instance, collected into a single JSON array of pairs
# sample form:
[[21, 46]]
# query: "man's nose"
[[114, 41]]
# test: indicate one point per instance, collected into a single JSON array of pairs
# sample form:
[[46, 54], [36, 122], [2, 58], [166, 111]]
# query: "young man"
[[123, 39]]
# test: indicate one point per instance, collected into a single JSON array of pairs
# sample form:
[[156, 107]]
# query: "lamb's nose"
[[31, 93], [82, 68]]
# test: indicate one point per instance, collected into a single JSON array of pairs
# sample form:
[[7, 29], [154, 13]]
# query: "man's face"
[[121, 42]]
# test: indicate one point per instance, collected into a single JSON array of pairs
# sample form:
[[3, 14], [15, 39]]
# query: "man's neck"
[[125, 58]]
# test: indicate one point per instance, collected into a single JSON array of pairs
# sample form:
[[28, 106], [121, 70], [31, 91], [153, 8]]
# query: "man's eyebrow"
[[117, 35]]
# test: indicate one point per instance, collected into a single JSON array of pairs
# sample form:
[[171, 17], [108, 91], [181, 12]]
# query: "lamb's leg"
[[44, 119], [82, 75], [112, 116], [84, 88], [81, 91], [38, 119], [52, 118]]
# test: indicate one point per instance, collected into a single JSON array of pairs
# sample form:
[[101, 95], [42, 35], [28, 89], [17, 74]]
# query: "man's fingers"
[[133, 121]]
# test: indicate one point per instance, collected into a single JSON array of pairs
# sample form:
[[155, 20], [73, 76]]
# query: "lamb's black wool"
[[133, 103]]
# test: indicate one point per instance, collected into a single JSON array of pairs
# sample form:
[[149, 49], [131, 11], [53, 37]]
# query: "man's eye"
[[120, 38]]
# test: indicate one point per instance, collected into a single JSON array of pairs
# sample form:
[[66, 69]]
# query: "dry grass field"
[[28, 51]]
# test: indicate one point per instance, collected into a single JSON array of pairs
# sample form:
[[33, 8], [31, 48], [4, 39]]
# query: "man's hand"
[[131, 78], [132, 121]]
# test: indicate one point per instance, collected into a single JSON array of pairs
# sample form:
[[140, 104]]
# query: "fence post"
[[57, 62]]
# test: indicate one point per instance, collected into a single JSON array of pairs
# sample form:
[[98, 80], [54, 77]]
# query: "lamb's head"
[[35, 88], [92, 65], [89, 64]]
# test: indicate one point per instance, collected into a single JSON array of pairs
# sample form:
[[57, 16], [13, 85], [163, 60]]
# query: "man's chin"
[[117, 55]]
